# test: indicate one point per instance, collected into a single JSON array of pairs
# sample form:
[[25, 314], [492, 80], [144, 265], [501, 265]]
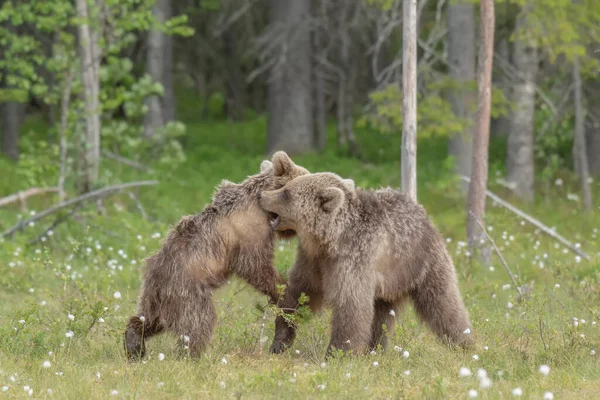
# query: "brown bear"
[[231, 235], [363, 253]]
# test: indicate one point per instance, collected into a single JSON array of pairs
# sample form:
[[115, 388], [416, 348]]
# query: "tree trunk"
[[236, 83], [592, 125], [409, 99], [520, 158], [289, 96], [169, 102], [501, 125], [579, 149], [90, 59], [478, 184], [319, 111], [12, 119], [462, 59], [157, 67]]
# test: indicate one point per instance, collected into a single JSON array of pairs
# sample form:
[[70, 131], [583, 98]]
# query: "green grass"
[[82, 265]]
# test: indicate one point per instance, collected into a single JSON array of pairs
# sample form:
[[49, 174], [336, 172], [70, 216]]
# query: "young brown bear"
[[364, 253], [231, 235]]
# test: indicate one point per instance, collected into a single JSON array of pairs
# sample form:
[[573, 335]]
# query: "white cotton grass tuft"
[[117, 295], [472, 393], [375, 364], [405, 354], [161, 356], [517, 392], [464, 372], [544, 370], [47, 364], [548, 396], [485, 383]]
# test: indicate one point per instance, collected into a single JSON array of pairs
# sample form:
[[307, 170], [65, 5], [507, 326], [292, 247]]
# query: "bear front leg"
[[353, 315], [262, 275], [298, 283], [385, 315]]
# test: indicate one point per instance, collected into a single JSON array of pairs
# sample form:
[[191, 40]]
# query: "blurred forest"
[[106, 79]]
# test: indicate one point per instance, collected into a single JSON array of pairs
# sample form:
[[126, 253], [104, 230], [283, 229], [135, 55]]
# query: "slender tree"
[[479, 166], [520, 157], [290, 125], [90, 66], [159, 63], [579, 149], [461, 63], [409, 99], [10, 123]]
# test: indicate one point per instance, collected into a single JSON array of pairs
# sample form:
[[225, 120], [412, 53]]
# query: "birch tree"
[[90, 65], [479, 165], [409, 99]]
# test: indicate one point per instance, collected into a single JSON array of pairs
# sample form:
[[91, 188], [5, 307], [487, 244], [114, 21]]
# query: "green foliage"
[[79, 268]]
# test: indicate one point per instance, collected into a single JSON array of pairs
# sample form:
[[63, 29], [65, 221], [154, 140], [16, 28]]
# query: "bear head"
[[312, 204]]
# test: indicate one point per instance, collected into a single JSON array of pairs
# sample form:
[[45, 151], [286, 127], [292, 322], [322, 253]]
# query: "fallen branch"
[[512, 277], [21, 196], [550, 232], [96, 194], [126, 161]]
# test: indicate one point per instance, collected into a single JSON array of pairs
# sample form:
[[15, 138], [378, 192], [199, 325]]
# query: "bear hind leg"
[[438, 302]]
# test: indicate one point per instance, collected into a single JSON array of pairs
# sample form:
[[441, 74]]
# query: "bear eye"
[[285, 195]]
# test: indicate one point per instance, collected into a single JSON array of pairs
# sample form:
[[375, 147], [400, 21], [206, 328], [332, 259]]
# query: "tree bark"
[[169, 102], [520, 158], [478, 184], [12, 119], [409, 99], [236, 93], [579, 149], [592, 125], [501, 125], [319, 111], [155, 118], [462, 69], [290, 121], [90, 59]]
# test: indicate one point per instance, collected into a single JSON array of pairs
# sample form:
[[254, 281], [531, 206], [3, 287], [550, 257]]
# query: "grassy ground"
[[65, 298]]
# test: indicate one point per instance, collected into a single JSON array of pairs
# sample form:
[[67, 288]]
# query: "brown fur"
[[231, 235], [364, 253]]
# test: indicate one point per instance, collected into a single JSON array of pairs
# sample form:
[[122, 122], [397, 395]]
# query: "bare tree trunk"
[[592, 125], [478, 184], [156, 117], [90, 59], [520, 159], [236, 92], [409, 99], [12, 119], [462, 59], [319, 111], [579, 149], [501, 125], [169, 102], [290, 99]]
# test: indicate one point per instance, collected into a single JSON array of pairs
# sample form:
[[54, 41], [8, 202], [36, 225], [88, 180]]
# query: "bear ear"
[[349, 183], [331, 198], [282, 163], [265, 166]]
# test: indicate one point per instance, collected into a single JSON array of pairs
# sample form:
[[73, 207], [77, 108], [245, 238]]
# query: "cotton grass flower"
[[464, 372], [472, 393], [223, 360], [69, 334], [405, 354], [548, 396], [485, 383], [375, 364], [407, 372], [117, 295], [517, 392], [475, 357], [114, 393], [46, 364], [71, 317], [544, 370], [161, 356]]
